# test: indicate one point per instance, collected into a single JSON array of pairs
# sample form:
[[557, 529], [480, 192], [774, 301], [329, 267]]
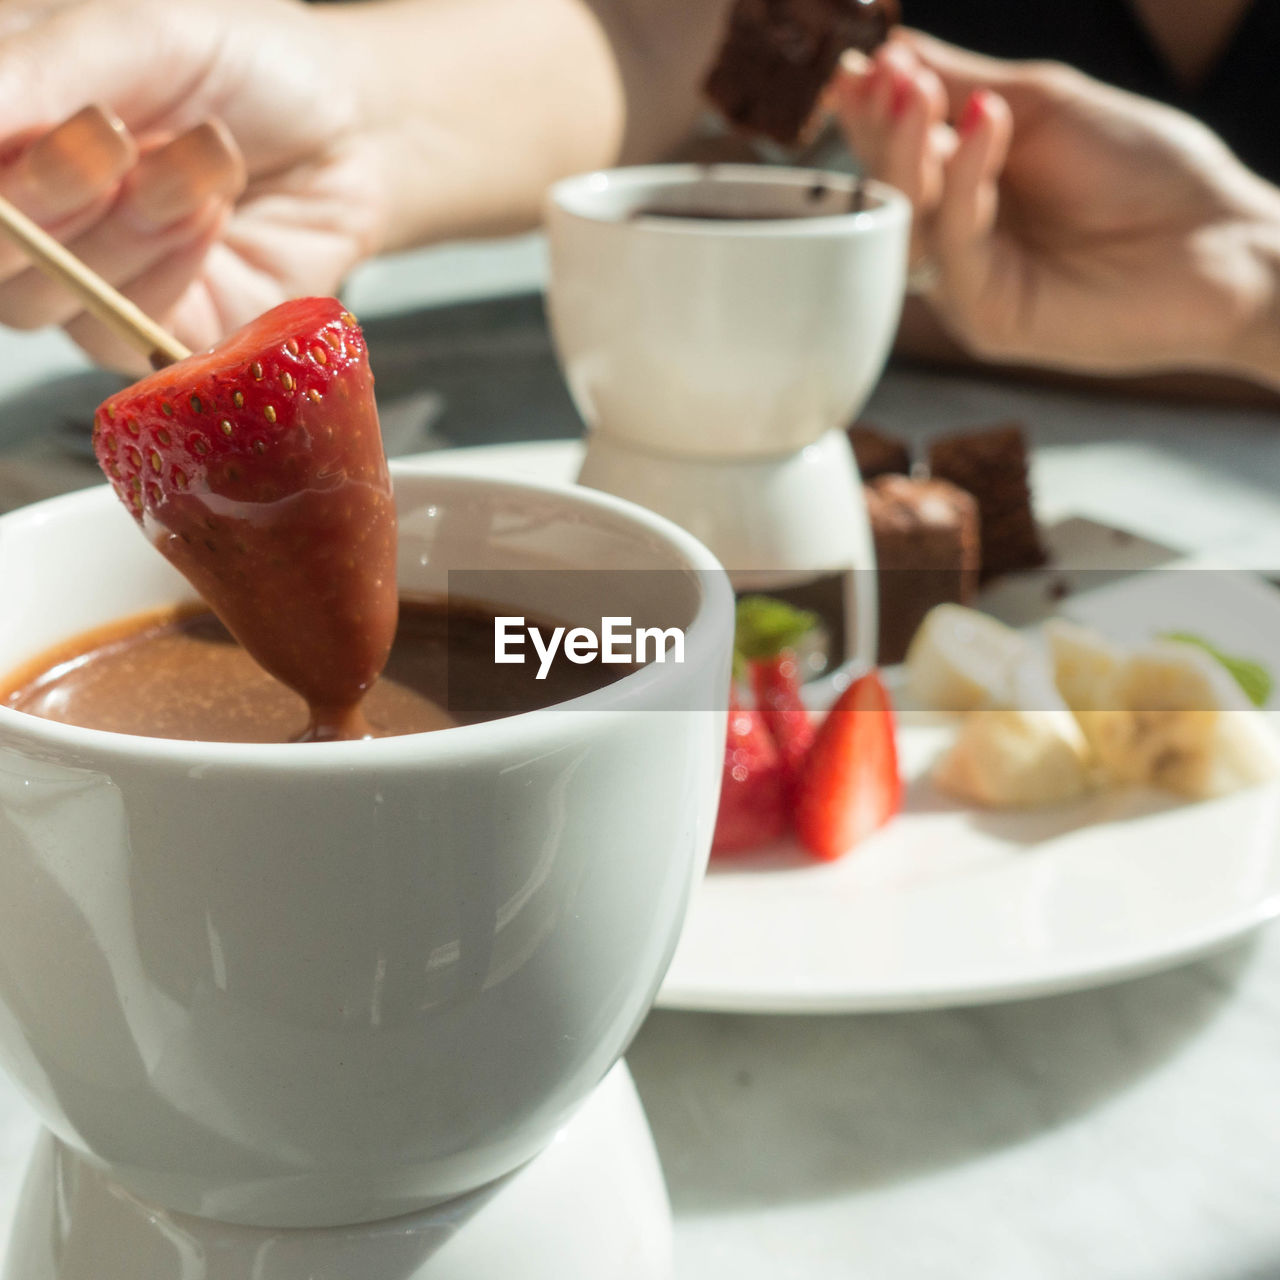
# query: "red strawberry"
[[257, 468], [752, 804], [776, 684], [850, 784]]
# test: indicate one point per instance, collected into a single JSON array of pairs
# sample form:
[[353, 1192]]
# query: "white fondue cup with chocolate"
[[311, 984]]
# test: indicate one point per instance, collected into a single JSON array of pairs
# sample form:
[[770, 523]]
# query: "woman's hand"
[[1062, 222], [221, 169]]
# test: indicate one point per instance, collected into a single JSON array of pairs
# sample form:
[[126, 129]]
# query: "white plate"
[[949, 906]]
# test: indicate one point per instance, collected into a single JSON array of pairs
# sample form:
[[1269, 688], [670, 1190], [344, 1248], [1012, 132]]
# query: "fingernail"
[[974, 113], [77, 161], [900, 95], [854, 62], [174, 181]]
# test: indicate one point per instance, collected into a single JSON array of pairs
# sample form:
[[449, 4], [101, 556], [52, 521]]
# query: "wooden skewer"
[[100, 299]]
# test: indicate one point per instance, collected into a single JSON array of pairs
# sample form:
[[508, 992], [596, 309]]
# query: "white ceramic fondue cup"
[[747, 335], [318, 984], [718, 360]]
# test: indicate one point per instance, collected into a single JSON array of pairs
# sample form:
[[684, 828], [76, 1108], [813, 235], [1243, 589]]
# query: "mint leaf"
[[1252, 677], [766, 626]]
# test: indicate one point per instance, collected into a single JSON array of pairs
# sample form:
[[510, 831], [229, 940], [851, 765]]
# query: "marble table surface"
[[1126, 1133]]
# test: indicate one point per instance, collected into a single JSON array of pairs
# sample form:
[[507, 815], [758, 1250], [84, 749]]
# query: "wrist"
[[469, 109], [352, 31]]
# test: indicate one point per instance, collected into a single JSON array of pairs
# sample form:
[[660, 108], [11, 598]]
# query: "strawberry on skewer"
[[257, 469]]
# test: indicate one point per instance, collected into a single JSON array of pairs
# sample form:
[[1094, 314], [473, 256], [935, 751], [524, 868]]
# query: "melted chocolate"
[[179, 674]]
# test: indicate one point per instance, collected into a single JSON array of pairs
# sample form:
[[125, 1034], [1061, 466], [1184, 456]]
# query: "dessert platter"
[[953, 904]]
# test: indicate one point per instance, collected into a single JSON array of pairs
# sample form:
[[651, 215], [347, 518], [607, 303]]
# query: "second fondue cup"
[[723, 311], [317, 984], [719, 326]]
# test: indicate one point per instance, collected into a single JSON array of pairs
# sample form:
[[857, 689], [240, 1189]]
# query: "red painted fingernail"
[[975, 111], [900, 99]]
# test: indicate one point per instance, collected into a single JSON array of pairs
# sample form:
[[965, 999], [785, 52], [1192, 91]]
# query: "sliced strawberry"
[[850, 785], [257, 468], [752, 802], [776, 684]]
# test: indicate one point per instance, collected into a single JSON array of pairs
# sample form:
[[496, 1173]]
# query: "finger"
[[868, 97], [179, 175], [163, 204], [962, 73], [71, 165], [961, 70], [66, 178], [910, 165], [909, 152], [195, 319], [240, 279], [848, 99], [935, 94], [880, 96], [967, 211], [71, 53], [159, 292]]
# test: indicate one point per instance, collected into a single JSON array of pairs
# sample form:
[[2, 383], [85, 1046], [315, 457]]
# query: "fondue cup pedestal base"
[[773, 522], [592, 1203]]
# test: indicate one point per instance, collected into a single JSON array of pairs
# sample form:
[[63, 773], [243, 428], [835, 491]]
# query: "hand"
[[224, 169], [1069, 223]]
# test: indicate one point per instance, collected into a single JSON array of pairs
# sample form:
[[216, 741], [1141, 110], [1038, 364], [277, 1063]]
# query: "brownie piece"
[[992, 465], [779, 54], [878, 454], [926, 535]]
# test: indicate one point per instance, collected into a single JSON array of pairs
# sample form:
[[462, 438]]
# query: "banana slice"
[[1180, 721], [1046, 727], [961, 659], [1026, 754], [1085, 666]]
